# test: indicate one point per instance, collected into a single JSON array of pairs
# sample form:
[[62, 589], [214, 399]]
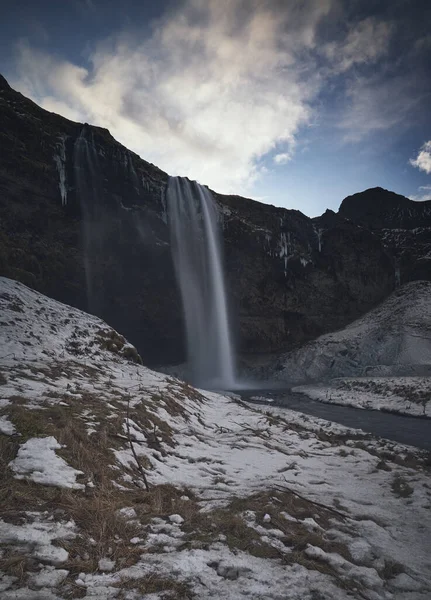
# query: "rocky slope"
[[392, 339], [119, 482], [84, 220]]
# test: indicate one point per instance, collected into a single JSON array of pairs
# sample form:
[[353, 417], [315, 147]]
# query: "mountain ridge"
[[290, 278]]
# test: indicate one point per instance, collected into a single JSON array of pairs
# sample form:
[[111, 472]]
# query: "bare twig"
[[324, 506], [135, 456]]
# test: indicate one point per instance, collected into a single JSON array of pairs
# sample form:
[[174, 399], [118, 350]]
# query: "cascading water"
[[90, 192], [197, 259]]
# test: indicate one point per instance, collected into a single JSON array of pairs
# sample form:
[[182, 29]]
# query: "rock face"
[[84, 221], [394, 339], [404, 226]]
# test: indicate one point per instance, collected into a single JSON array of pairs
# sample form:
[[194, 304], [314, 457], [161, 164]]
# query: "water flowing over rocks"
[[196, 254], [84, 221]]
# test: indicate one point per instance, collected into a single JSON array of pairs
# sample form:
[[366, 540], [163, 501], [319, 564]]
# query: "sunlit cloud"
[[282, 158], [221, 90], [214, 89], [423, 159]]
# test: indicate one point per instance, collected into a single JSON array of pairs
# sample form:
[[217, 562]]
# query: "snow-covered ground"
[[119, 482], [381, 361], [405, 395], [393, 339]]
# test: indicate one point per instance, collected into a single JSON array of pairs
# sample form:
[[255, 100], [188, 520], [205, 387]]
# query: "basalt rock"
[[84, 221], [403, 225]]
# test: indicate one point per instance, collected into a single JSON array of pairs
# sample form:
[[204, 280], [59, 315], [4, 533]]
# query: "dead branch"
[[135, 456], [324, 506]]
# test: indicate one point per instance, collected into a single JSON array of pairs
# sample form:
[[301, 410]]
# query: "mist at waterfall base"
[[196, 253]]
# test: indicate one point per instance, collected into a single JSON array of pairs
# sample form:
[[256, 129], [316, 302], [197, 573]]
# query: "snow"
[[215, 451], [128, 512], [106, 564], [220, 573], [381, 361], [177, 519], [37, 536], [365, 575], [6, 427], [49, 577], [393, 339], [404, 395], [38, 462]]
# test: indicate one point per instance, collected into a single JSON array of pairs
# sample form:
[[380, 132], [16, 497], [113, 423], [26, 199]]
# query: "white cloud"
[[423, 159], [377, 104], [381, 76], [365, 43], [214, 89], [425, 194], [282, 158]]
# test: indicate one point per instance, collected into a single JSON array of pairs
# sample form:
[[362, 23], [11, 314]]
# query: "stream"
[[414, 431]]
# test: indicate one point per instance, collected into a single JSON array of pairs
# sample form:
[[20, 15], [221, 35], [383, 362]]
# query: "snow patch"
[[6, 427], [38, 462], [37, 537]]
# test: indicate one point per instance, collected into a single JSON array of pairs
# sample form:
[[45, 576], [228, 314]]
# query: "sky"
[[296, 103]]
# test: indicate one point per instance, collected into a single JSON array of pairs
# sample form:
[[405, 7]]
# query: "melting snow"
[[38, 462], [6, 427], [219, 450]]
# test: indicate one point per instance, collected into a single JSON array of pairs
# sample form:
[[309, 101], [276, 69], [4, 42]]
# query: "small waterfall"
[[90, 192], [197, 259]]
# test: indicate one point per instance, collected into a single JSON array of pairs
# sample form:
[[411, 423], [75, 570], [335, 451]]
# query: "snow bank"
[[394, 339], [38, 462]]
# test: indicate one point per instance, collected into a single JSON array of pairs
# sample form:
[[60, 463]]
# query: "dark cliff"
[[403, 226], [83, 220]]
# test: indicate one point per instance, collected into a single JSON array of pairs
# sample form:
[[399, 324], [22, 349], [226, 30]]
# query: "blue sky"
[[298, 104]]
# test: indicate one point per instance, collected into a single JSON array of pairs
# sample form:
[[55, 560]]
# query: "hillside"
[[392, 339], [382, 360], [119, 482], [84, 221]]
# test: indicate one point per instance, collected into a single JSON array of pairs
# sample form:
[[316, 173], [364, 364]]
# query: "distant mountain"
[[404, 226], [377, 208], [393, 339], [84, 220]]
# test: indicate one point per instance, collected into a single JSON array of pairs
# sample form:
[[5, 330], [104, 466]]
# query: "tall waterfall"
[[197, 259], [89, 189]]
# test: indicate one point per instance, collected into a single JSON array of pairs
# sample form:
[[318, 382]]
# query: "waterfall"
[[89, 189], [196, 255]]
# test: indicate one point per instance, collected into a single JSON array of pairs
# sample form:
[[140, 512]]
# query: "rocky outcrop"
[[74, 202], [404, 227], [394, 339], [84, 220]]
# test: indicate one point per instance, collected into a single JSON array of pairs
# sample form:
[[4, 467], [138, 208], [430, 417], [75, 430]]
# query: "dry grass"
[[400, 487], [106, 533], [103, 532], [412, 460], [156, 584], [17, 565]]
